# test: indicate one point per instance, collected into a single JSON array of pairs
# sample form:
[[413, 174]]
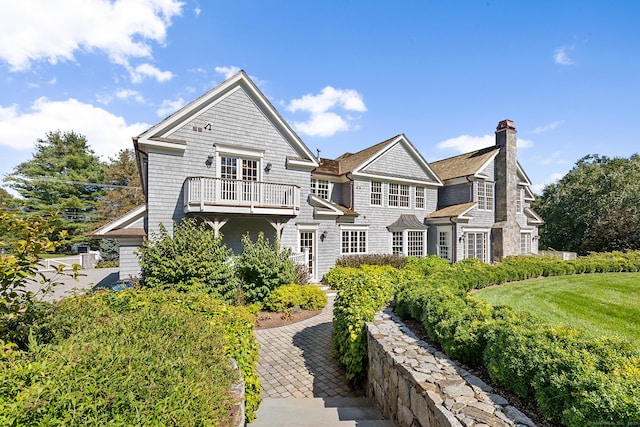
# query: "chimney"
[[506, 231]]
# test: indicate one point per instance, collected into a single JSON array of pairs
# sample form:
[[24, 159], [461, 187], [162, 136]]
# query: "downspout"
[[454, 241], [350, 178], [470, 187]]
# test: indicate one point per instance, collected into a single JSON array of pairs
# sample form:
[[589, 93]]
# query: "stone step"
[[319, 412]]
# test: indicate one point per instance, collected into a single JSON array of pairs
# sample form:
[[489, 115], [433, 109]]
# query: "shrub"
[[286, 297], [136, 363], [262, 267], [301, 275], [355, 261], [110, 249], [193, 259]]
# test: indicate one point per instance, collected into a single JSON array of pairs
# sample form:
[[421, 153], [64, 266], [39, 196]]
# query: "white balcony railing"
[[202, 194]]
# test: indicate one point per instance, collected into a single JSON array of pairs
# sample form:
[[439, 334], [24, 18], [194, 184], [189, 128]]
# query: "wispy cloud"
[[548, 127], [55, 31], [561, 56], [169, 107], [105, 132], [551, 179], [327, 111], [142, 71], [227, 71], [130, 94], [554, 159], [467, 143]]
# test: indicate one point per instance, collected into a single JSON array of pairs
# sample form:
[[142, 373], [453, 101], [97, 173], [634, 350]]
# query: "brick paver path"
[[296, 360]]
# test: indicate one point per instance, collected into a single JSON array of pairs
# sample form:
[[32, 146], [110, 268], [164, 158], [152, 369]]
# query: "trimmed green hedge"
[[573, 379], [286, 297], [134, 357]]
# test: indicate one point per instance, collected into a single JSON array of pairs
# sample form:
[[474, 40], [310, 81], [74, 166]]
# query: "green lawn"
[[599, 304]]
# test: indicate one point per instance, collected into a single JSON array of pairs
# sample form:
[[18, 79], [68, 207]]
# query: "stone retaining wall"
[[418, 386], [237, 392]]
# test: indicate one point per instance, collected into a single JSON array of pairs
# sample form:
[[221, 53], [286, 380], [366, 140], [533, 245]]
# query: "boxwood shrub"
[[134, 357], [286, 297], [574, 380]]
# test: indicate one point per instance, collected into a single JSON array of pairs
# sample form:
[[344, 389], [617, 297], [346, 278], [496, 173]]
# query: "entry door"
[[307, 240]]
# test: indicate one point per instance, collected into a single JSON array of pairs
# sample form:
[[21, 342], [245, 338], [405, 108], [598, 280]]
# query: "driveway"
[[87, 279]]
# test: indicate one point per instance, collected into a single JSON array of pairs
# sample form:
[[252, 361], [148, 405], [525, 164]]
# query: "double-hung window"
[[320, 188], [376, 193], [399, 195], [354, 241], [485, 196], [419, 197]]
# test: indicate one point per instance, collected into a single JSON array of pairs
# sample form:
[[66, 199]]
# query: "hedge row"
[[131, 358], [362, 292], [286, 297], [574, 380]]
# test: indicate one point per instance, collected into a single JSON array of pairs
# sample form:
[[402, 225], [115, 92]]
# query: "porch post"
[[216, 225], [278, 225]]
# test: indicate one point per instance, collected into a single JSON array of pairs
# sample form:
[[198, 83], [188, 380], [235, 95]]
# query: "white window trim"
[[405, 239], [238, 176], [398, 195], [493, 195], [364, 228], [449, 242], [235, 151], [486, 231], [314, 187], [381, 193], [424, 197]]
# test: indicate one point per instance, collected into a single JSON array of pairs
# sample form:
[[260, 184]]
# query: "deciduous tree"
[[126, 193], [594, 207]]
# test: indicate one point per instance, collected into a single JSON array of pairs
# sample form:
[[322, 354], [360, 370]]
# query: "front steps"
[[319, 412]]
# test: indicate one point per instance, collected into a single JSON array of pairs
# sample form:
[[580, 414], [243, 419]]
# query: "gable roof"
[[464, 164], [158, 135], [326, 207], [354, 163], [120, 227], [458, 211]]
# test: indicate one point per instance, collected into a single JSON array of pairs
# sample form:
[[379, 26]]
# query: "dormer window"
[[485, 196], [320, 187]]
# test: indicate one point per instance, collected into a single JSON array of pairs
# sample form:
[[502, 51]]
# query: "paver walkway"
[[296, 360]]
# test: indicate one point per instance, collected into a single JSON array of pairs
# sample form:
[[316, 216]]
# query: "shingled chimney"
[[505, 234]]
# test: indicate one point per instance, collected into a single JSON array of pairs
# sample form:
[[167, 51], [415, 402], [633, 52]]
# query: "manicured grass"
[[599, 304]]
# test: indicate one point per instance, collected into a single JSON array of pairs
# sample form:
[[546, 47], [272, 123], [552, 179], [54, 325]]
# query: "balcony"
[[217, 195]]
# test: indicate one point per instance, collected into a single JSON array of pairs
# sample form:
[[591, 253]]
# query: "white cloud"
[[106, 133], [169, 107], [561, 56], [467, 143], [322, 121], [130, 93], [554, 158], [147, 70], [553, 178], [54, 31], [548, 127], [227, 71]]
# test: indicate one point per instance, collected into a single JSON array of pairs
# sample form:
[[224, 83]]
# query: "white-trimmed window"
[[408, 242], [519, 203], [320, 187], [399, 195], [444, 244], [354, 241], [415, 243], [476, 245], [485, 196], [419, 197], [525, 243], [376, 193]]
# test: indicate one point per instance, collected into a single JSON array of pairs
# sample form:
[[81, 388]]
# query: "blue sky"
[[345, 74]]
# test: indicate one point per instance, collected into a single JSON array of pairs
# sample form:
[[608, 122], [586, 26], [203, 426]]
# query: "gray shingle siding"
[[398, 161], [455, 194], [129, 267]]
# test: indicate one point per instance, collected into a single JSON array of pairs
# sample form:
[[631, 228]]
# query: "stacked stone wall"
[[415, 385]]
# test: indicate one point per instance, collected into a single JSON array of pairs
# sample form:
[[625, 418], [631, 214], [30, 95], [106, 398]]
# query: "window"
[[525, 243], [408, 242], [397, 247], [399, 195], [443, 245], [519, 201], [376, 193], [476, 245], [354, 242], [419, 197], [320, 188], [415, 243], [485, 196]]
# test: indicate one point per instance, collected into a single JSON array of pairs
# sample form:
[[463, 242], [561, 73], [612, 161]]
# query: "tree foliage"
[[193, 259], [262, 267], [126, 193], [594, 207], [64, 176], [20, 265]]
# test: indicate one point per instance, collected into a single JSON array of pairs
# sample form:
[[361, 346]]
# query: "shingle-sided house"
[[230, 159]]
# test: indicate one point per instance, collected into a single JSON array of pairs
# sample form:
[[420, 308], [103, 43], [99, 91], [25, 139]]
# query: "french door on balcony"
[[238, 178]]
